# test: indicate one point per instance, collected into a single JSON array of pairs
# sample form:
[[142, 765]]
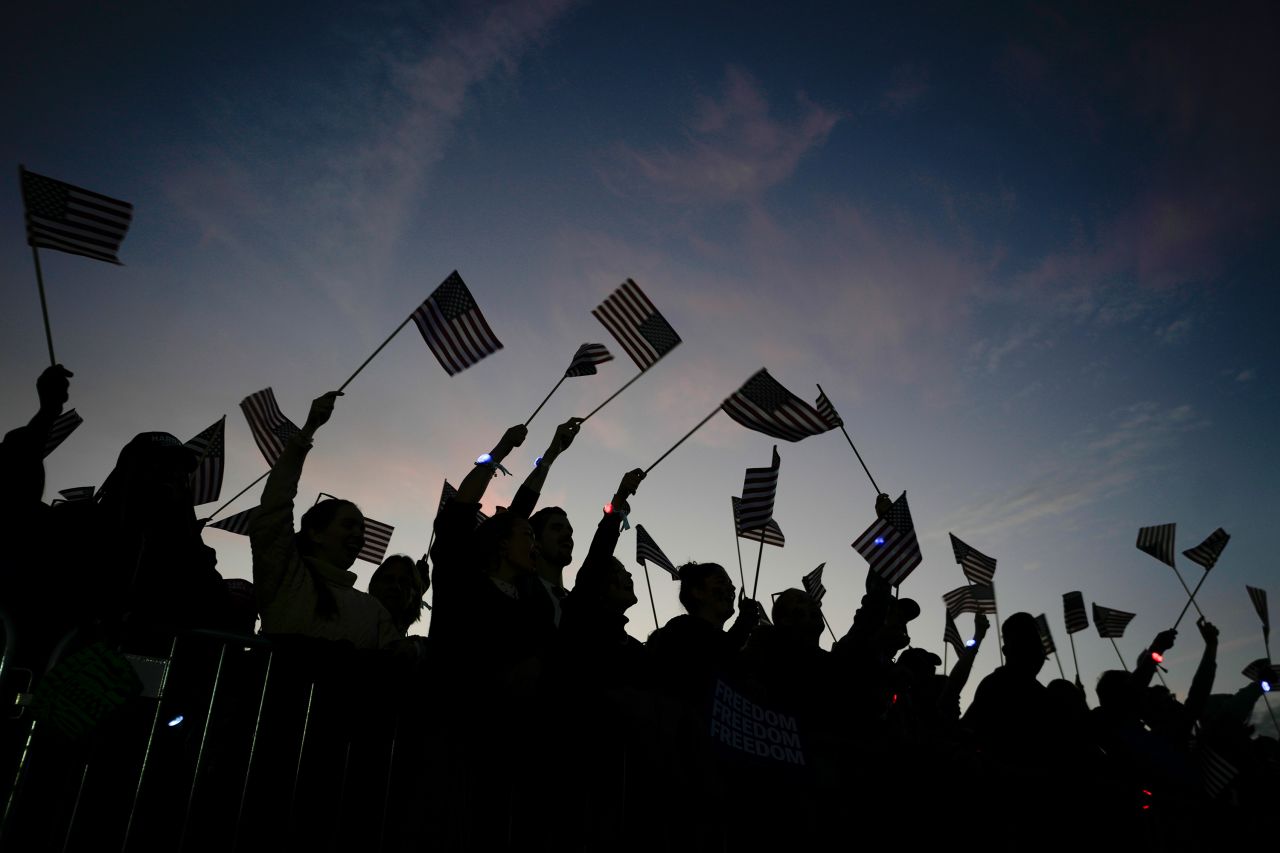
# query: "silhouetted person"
[[692, 648], [1009, 706], [399, 585], [302, 580]]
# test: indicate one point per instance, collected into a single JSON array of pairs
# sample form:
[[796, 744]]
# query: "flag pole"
[[1190, 595], [759, 555], [544, 401], [945, 647], [614, 394], [737, 542], [344, 385], [1191, 600], [833, 633], [1117, 648], [238, 494], [652, 606], [855, 450], [1058, 658], [44, 306], [1074, 659], [681, 441]]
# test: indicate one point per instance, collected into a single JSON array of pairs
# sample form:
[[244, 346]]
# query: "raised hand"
[[1164, 641], [321, 411], [1208, 630], [53, 388], [630, 482], [565, 434], [511, 439], [981, 624]]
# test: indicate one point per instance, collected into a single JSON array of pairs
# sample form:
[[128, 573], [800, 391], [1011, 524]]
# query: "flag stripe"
[[1207, 552], [1110, 622], [73, 219], [977, 566], [623, 312], [1046, 638], [812, 583], [270, 428], [63, 425], [586, 358], [1073, 612], [759, 488], [460, 339], [1157, 541], [1259, 599], [770, 534], [648, 550]]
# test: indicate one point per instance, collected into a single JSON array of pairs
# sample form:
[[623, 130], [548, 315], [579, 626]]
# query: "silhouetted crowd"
[[530, 718]]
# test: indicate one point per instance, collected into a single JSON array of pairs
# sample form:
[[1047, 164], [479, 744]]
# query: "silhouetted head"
[[1159, 706], [706, 592], [1066, 701], [1023, 649], [553, 536], [893, 633], [1114, 693], [796, 614], [921, 663], [399, 585], [504, 545], [607, 585], [152, 475], [331, 531]]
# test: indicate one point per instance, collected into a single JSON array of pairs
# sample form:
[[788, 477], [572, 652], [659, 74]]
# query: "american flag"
[[1208, 551], [770, 534], [210, 450], [889, 545], [63, 425], [1109, 622], [1216, 772], [1261, 670], [453, 327], [73, 220], [448, 493], [586, 358], [762, 404], [974, 598], [1073, 612], [238, 523], [648, 550], [951, 634], [828, 412], [270, 428], [631, 318], [1157, 541], [977, 566], [758, 490], [77, 493], [1046, 638], [377, 536], [813, 583], [1259, 599]]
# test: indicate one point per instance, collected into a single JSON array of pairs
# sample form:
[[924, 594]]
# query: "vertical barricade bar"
[[146, 757], [253, 747], [204, 741], [302, 748]]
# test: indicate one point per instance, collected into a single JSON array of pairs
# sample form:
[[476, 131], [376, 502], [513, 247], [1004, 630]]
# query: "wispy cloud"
[[734, 147], [1104, 460], [908, 84], [329, 205]]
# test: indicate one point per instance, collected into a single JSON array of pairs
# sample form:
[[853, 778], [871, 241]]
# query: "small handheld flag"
[[758, 492], [238, 523], [63, 425], [764, 405], [1110, 622], [210, 450], [643, 332], [648, 550], [977, 566], [1157, 541], [889, 545], [1073, 612], [270, 428], [72, 219], [453, 327]]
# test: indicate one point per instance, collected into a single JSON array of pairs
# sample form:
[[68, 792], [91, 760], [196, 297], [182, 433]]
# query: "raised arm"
[[605, 539], [1202, 681], [1146, 666], [949, 701], [22, 454], [271, 526], [472, 488], [530, 490]]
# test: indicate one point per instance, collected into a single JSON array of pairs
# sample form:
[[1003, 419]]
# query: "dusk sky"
[[1024, 251]]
